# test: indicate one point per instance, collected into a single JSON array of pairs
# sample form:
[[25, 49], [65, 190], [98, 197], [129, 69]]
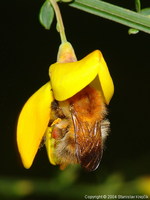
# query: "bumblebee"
[[79, 129]]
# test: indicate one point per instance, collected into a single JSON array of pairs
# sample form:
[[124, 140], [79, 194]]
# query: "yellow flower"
[[67, 78]]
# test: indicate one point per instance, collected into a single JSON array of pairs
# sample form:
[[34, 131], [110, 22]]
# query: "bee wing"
[[88, 140]]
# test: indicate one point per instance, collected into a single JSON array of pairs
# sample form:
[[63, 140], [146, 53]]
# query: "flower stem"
[[59, 21], [138, 5]]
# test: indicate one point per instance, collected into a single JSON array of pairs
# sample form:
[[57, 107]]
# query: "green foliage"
[[115, 13], [46, 15], [144, 11], [139, 20], [66, 186], [66, 1], [138, 5]]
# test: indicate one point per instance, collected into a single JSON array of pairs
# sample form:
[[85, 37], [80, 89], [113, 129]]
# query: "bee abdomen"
[[65, 150]]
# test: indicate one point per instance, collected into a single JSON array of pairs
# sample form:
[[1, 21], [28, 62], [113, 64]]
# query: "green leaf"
[[145, 11], [133, 31], [115, 13], [46, 15]]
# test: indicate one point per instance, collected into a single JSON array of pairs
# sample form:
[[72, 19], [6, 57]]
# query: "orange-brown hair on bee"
[[78, 125]]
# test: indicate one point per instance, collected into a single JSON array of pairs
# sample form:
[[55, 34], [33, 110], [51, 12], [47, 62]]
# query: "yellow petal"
[[32, 123], [103, 81], [106, 81], [69, 78]]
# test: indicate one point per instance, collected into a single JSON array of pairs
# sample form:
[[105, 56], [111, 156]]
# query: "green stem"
[[59, 21], [138, 5]]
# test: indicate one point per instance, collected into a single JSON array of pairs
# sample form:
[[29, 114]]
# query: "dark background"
[[27, 50]]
